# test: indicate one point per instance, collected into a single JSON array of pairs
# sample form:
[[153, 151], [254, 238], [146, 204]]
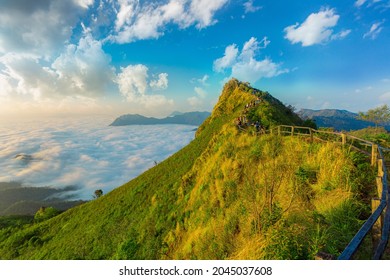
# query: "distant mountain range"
[[190, 118], [16, 199], [338, 119]]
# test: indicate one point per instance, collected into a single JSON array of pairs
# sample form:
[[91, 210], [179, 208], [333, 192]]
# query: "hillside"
[[340, 120], [190, 118], [227, 195]]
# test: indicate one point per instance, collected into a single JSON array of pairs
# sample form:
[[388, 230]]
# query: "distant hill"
[[338, 119], [190, 118], [16, 199]]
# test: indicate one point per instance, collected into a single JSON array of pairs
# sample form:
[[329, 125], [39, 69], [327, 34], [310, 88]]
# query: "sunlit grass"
[[227, 195]]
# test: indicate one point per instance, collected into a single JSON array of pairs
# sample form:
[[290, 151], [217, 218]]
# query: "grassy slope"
[[222, 196], [97, 229]]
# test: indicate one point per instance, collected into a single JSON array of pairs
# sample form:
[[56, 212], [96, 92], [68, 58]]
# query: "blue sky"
[[153, 57]]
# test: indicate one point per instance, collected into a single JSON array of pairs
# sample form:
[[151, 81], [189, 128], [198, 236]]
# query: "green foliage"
[[288, 242], [343, 224], [12, 224], [377, 135], [304, 178], [45, 213], [377, 115], [309, 123], [97, 193], [269, 217]]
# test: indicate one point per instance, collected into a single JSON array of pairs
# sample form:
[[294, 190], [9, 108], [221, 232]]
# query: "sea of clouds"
[[84, 152]]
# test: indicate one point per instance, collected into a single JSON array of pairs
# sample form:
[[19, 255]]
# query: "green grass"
[[227, 195]]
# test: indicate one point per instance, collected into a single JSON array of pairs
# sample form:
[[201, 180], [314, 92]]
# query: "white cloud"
[[133, 84], [316, 29], [85, 68], [360, 3], [85, 152], [227, 60], [200, 92], [78, 76], [161, 83], [38, 27], [125, 13], [201, 81], [202, 11], [375, 29], [252, 46], [244, 65], [253, 70], [138, 21], [82, 70], [84, 3], [204, 79], [5, 85], [250, 7], [341, 35], [197, 100], [132, 81]]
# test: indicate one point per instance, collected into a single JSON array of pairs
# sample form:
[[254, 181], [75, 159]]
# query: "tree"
[[377, 115], [98, 193]]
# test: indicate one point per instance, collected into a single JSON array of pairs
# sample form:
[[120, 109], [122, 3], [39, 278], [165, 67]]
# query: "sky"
[[111, 57], [84, 152]]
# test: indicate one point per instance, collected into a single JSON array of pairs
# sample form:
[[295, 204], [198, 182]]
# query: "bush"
[[45, 213]]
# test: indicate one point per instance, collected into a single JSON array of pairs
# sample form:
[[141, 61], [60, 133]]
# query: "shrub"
[[45, 213]]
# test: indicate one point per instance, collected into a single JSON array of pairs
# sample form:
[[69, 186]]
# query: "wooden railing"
[[379, 221]]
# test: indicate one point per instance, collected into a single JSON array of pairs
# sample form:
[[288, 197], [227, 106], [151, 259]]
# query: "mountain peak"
[[269, 110]]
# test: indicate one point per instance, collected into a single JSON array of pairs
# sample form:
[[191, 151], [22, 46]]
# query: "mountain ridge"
[[340, 120], [189, 118]]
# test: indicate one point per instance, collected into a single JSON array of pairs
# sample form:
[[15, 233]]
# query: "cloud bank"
[[84, 152]]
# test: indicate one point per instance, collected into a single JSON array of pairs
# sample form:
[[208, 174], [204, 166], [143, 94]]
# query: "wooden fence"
[[379, 221]]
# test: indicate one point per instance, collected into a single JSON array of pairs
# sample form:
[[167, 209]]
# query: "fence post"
[[279, 130], [292, 131], [379, 185], [343, 138], [380, 167], [376, 230], [311, 135], [374, 154]]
